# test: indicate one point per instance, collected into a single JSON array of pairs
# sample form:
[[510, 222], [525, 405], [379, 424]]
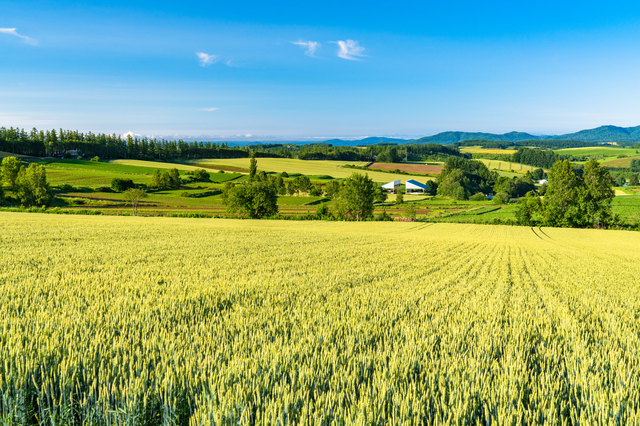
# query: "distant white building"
[[543, 181], [392, 186], [413, 186]]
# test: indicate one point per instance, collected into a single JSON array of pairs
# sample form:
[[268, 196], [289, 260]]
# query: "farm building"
[[543, 181], [392, 186], [413, 186]]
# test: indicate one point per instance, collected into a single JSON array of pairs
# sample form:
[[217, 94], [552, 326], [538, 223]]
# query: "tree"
[[10, 168], [399, 197], [302, 183], [291, 188], [199, 175], [461, 178], [597, 193], [381, 195], [31, 186], [316, 190], [514, 187], [280, 186], [527, 207], [562, 198], [253, 165], [332, 189], [121, 185], [356, 197], [165, 179], [432, 188], [538, 174], [453, 185], [633, 180], [410, 211], [501, 198], [1, 194], [253, 199], [134, 195], [174, 178]]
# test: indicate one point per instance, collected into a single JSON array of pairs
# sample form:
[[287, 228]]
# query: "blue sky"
[[325, 69]]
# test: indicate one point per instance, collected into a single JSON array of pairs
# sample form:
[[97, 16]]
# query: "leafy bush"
[[410, 211], [501, 198], [479, 196], [122, 185], [199, 175]]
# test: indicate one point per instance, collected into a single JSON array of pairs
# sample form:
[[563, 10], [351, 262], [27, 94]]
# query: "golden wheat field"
[[158, 321]]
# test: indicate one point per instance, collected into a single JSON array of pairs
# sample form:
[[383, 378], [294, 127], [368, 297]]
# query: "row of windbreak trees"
[[537, 157], [46, 143]]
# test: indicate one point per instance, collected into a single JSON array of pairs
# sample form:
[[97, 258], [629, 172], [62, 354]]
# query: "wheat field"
[[307, 167], [163, 321]]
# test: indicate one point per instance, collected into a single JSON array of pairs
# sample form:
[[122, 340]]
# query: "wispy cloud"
[[208, 109], [13, 32], [349, 49], [206, 59], [311, 46]]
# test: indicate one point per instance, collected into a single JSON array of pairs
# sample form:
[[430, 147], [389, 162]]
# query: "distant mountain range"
[[601, 134]]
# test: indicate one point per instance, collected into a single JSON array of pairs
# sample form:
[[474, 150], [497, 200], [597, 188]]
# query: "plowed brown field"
[[409, 168]]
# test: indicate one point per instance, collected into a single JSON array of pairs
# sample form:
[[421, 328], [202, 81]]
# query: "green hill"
[[602, 134]]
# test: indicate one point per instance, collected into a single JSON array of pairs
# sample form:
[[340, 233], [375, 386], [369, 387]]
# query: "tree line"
[[40, 143], [536, 157], [43, 143], [544, 144]]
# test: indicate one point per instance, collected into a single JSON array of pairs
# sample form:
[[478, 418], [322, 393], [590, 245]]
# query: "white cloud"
[[133, 135], [209, 109], [349, 49], [205, 59], [248, 135], [13, 32], [311, 46]]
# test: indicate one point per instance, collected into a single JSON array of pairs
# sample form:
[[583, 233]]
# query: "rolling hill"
[[602, 134]]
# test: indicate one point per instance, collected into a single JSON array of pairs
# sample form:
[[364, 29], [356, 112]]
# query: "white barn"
[[392, 186], [415, 186]]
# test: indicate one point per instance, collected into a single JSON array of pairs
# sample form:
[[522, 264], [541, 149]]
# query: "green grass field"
[[597, 151], [90, 173], [311, 168], [157, 321], [480, 150], [154, 165], [106, 167], [82, 177], [619, 162], [506, 166]]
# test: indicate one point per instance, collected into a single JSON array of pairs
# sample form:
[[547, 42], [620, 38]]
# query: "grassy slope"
[[89, 173], [597, 151], [505, 166], [154, 165], [618, 162], [480, 150], [79, 177]]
